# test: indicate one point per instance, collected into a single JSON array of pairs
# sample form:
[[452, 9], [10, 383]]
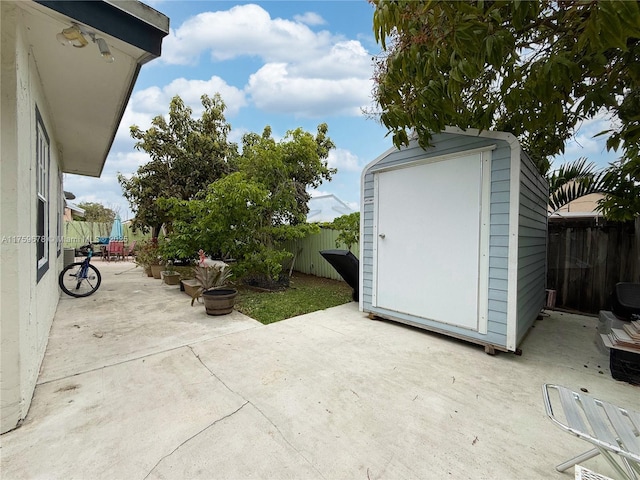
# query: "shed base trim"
[[489, 348]]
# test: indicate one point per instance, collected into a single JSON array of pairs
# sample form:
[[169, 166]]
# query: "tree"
[[622, 201], [349, 226], [248, 214], [287, 169], [534, 69], [186, 154], [96, 212]]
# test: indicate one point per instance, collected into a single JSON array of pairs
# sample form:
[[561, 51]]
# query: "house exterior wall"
[[28, 304], [504, 284]]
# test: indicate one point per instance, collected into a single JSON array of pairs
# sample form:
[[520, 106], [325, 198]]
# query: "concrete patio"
[[137, 384]]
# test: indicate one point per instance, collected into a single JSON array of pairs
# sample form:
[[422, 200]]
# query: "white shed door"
[[428, 234]]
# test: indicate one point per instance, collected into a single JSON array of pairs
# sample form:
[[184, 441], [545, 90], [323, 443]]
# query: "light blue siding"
[[532, 228], [532, 248]]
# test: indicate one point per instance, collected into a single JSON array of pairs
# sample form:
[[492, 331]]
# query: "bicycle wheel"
[[73, 283]]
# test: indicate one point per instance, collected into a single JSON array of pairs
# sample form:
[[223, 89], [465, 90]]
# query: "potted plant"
[[212, 288], [170, 276], [147, 254], [155, 258]]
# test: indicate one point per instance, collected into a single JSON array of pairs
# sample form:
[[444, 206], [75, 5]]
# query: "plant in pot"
[[147, 254], [169, 275], [218, 298], [156, 268]]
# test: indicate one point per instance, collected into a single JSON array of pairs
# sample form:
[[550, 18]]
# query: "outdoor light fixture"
[[72, 36], [75, 36], [104, 49]]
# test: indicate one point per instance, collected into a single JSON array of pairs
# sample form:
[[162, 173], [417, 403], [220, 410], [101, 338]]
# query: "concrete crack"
[[286, 440], [335, 331], [245, 402], [214, 375], [200, 360], [194, 436]]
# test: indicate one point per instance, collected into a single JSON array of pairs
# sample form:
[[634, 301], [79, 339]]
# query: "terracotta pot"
[[219, 301], [156, 270], [147, 270]]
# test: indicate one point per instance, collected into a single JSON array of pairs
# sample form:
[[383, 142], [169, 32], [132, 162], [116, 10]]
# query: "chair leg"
[[629, 473], [580, 458]]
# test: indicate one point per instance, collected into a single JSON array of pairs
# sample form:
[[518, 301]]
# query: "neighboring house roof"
[[581, 207], [326, 208], [87, 96], [76, 210]]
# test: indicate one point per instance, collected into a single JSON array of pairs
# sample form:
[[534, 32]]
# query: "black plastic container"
[[625, 300], [625, 365]]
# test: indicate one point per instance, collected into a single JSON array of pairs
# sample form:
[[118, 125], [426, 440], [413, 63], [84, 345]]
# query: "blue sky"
[[285, 64]]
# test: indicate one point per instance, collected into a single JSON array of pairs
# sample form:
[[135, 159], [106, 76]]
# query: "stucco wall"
[[28, 306]]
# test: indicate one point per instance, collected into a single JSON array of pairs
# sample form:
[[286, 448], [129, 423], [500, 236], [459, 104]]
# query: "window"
[[42, 196]]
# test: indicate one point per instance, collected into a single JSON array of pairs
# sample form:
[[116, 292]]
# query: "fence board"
[[309, 260], [586, 260]]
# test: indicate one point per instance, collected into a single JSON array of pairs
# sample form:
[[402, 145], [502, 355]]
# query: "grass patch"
[[306, 294]]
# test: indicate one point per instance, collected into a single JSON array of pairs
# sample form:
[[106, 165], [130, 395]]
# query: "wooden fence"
[[77, 233], [307, 253], [585, 260]]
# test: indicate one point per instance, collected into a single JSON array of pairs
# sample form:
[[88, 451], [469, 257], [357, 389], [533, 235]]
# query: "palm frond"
[[572, 181]]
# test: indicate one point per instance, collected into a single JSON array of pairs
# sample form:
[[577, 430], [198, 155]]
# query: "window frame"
[[43, 165], [59, 237]]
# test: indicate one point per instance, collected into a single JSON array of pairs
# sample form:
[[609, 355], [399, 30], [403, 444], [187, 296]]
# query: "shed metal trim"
[[471, 132], [374, 248], [438, 158], [512, 276], [485, 230]]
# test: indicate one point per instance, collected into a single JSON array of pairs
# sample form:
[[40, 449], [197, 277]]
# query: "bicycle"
[[80, 279]]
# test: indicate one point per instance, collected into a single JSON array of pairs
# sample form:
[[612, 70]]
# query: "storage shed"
[[453, 238]]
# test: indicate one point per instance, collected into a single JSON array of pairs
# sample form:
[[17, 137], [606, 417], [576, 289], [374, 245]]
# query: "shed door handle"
[[382, 235]]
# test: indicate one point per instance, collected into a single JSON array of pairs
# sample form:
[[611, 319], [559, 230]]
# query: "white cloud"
[[346, 59], [343, 160], [274, 89], [150, 102], [243, 30], [155, 100], [126, 161], [310, 18], [306, 73]]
